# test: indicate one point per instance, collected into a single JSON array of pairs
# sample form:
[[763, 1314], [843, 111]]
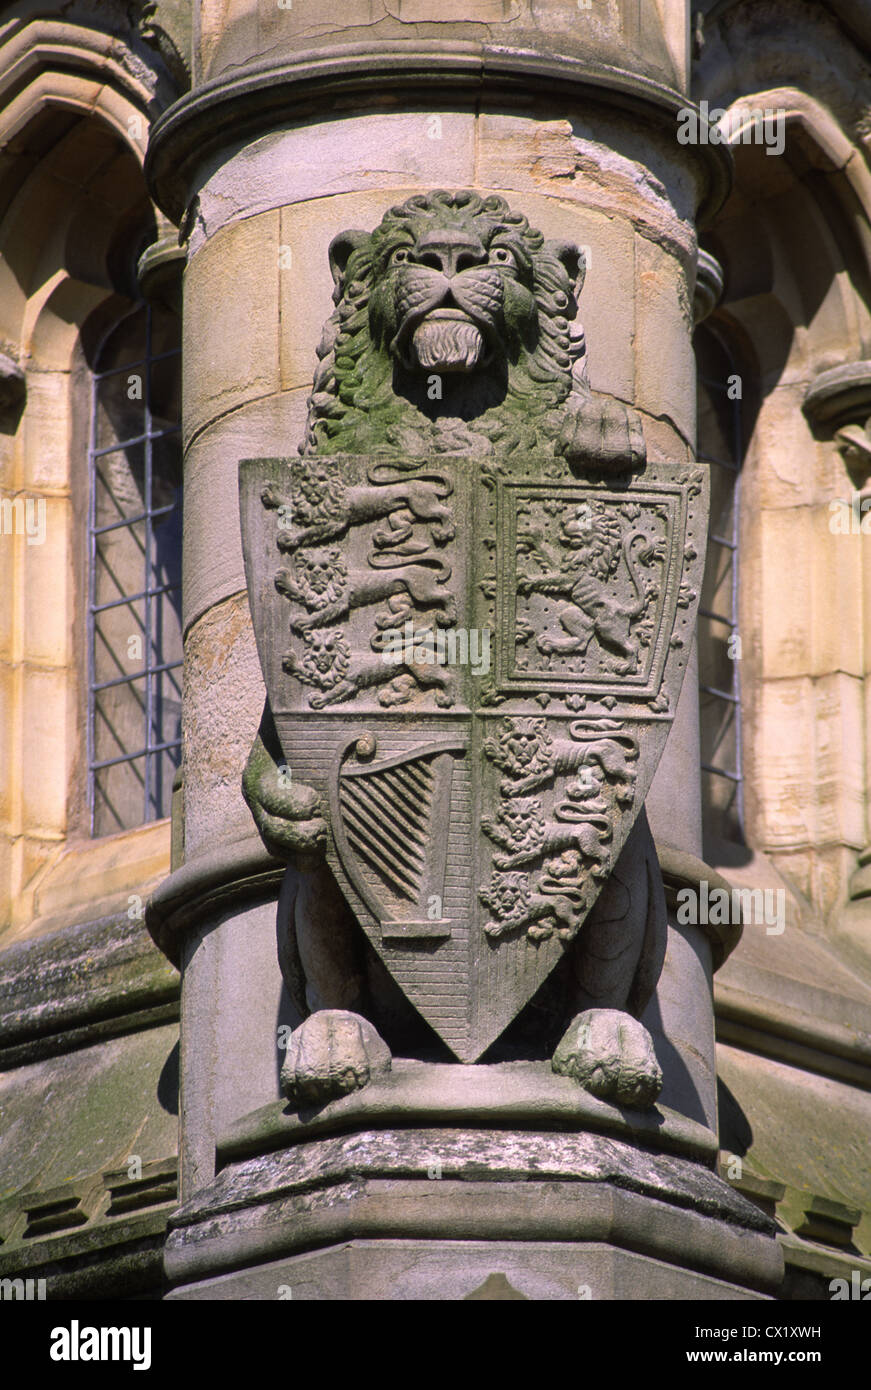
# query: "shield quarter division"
[[474, 816]]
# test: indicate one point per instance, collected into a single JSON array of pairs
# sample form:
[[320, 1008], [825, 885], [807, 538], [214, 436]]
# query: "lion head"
[[318, 492], [522, 820], [325, 659], [451, 327], [321, 576], [507, 897], [524, 747]]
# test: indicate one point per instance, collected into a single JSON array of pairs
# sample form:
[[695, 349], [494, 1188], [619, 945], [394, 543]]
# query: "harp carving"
[[390, 818]]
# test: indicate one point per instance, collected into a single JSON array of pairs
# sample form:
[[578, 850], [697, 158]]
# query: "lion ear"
[[341, 248], [573, 261]]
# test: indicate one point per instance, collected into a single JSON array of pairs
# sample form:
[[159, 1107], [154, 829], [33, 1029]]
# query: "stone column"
[[299, 127]]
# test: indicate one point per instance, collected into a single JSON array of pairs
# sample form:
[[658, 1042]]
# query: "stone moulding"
[[710, 283], [227, 110], [80, 985], [245, 869], [792, 1036], [116, 1258], [159, 273], [524, 1096], [680, 869], [580, 1190], [839, 395], [227, 876], [838, 403]]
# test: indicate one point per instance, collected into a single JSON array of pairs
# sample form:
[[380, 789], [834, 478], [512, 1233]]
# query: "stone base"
[[435, 1213], [370, 1270]]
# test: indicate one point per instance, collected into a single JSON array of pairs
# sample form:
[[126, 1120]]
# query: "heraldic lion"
[[453, 332]]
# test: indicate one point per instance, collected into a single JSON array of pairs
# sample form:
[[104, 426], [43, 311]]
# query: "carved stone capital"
[[709, 286], [159, 272], [838, 402]]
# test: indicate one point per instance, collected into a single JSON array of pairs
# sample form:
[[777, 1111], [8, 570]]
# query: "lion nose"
[[450, 252]]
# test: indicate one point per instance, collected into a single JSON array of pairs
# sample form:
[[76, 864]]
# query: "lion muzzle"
[[446, 322], [447, 342]]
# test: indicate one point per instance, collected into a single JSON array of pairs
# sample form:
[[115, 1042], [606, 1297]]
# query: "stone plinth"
[[577, 1200]]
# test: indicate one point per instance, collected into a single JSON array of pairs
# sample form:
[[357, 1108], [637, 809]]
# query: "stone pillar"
[[299, 127]]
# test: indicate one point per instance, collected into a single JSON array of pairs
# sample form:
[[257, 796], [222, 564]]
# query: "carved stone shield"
[[476, 663]]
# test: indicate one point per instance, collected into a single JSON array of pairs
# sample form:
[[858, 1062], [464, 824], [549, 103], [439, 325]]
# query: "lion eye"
[[399, 257], [502, 256]]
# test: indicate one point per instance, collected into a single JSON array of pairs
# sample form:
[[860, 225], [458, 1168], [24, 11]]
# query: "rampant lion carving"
[[453, 332], [594, 541]]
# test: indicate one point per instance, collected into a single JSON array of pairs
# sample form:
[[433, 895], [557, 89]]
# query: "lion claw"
[[331, 1054], [605, 432], [611, 1054]]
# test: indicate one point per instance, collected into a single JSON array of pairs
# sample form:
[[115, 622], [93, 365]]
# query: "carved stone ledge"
[[590, 1193], [246, 104], [786, 1034], [230, 875], [839, 402], [59, 1209], [157, 1185], [118, 1257], [159, 273], [78, 985], [680, 869], [519, 1095], [829, 1223]]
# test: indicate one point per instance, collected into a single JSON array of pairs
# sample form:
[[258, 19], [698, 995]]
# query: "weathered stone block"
[[223, 699], [46, 699], [415, 150], [213, 566], [231, 321], [47, 587], [664, 362]]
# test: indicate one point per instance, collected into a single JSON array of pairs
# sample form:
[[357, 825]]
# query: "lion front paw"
[[287, 814], [331, 1054], [605, 433], [611, 1054]]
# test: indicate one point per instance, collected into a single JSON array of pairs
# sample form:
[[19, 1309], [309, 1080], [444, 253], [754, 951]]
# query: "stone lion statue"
[[453, 332]]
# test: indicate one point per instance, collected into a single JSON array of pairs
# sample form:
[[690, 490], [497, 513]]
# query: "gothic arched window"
[[720, 445], [134, 584]]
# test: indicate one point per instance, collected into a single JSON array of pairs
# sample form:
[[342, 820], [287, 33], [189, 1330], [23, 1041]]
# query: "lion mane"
[[495, 331]]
